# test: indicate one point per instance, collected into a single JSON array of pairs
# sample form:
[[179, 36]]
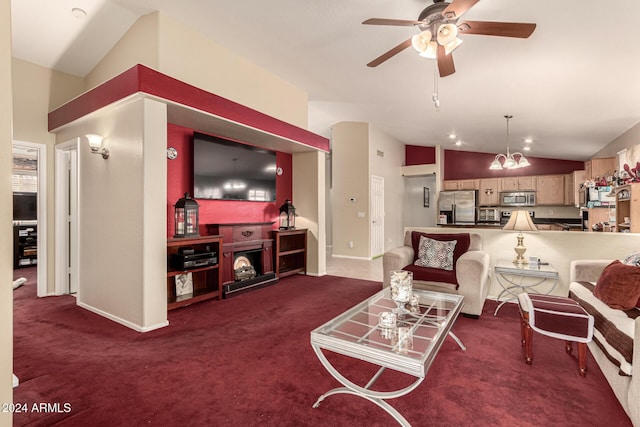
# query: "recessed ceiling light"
[[527, 148], [452, 136], [528, 140], [458, 143], [78, 13]]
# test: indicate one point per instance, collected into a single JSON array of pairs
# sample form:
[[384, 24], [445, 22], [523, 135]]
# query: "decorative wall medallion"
[[172, 153]]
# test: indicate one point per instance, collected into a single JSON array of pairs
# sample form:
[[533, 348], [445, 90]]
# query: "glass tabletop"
[[537, 270], [410, 346]]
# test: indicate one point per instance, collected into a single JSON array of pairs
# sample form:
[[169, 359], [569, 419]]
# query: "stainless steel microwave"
[[518, 198]]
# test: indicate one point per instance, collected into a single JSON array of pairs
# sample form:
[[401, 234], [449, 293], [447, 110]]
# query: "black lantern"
[[186, 217], [287, 216]]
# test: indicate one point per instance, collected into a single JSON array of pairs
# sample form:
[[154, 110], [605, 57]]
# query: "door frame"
[[64, 251], [41, 266], [372, 178]]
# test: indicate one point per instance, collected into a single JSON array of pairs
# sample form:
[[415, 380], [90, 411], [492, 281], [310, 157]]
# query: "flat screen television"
[[25, 206], [227, 170]]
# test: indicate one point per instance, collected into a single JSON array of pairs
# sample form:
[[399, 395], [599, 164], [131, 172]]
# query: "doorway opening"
[[28, 181]]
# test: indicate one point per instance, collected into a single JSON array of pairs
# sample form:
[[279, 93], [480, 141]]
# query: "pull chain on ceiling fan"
[[439, 27]]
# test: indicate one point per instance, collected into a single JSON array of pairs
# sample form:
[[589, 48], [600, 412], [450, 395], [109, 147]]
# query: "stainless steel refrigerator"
[[457, 207]]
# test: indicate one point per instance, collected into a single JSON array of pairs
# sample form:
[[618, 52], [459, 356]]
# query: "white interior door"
[[67, 218], [377, 216]]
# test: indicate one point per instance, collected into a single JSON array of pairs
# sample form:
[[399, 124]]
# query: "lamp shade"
[[450, 47], [431, 51], [447, 33], [520, 221], [421, 41], [523, 162]]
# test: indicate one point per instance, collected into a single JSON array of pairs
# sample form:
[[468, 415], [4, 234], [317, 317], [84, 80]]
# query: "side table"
[[515, 279]]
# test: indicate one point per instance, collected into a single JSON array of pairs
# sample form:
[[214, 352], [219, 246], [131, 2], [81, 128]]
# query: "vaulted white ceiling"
[[572, 87]]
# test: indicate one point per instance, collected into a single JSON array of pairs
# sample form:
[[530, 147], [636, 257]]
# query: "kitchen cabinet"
[[489, 194], [461, 184], [572, 183], [628, 208], [598, 215], [518, 183], [599, 167], [550, 190]]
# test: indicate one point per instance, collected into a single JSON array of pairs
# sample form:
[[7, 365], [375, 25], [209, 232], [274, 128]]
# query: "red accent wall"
[[180, 180], [471, 165], [417, 155]]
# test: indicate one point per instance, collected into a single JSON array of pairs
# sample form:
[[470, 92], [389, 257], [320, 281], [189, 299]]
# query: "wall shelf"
[[207, 280], [290, 255], [25, 245]]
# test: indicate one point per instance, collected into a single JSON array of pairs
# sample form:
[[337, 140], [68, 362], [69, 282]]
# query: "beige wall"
[[122, 213], [138, 46], [36, 91], [389, 166], [558, 248], [356, 156], [350, 169], [629, 139], [175, 49], [309, 200], [6, 245]]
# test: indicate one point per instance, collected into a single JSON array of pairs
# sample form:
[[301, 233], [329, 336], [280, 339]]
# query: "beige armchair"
[[469, 278]]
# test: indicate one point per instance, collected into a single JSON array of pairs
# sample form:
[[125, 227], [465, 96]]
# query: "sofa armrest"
[[587, 270], [634, 386], [473, 274], [395, 259]]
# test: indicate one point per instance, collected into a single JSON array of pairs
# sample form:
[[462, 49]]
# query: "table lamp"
[[520, 221]]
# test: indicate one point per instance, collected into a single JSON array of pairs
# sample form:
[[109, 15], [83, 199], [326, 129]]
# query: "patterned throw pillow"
[[435, 253], [633, 259]]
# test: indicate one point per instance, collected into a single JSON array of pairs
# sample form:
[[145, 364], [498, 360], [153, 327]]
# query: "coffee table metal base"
[[375, 397]]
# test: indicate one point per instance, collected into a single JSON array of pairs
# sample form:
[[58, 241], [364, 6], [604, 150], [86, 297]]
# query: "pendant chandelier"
[[509, 159]]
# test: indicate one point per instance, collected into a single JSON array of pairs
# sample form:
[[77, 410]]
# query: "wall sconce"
[[96, 145]]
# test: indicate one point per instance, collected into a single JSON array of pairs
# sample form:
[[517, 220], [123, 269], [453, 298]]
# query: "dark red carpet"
[[247, 361]]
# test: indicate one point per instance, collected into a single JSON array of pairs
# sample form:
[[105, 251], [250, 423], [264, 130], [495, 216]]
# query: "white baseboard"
[[123, 321], [351, 257]]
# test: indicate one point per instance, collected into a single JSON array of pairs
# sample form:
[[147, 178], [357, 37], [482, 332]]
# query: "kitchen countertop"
[[567, 224]]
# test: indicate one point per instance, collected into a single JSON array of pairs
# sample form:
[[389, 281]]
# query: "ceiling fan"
[[439, 27]]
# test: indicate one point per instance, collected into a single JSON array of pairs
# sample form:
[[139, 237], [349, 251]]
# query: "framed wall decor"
[[426, 197]]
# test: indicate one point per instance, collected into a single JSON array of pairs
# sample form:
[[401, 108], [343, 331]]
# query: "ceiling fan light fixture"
[[431, 51], [420, 41], [452, 46], [447, 33]]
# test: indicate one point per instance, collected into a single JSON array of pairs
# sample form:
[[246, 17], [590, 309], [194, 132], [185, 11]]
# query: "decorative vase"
[[401, 288]]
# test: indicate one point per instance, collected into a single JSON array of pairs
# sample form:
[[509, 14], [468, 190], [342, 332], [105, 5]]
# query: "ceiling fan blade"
[[397, 22], [390, 53], [445, 62], [457, 8], [501, 29]]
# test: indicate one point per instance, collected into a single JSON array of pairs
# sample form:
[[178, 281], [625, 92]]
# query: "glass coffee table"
[[409, 347]]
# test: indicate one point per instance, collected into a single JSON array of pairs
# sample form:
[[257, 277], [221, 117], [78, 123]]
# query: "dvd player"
[[195, 259]]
